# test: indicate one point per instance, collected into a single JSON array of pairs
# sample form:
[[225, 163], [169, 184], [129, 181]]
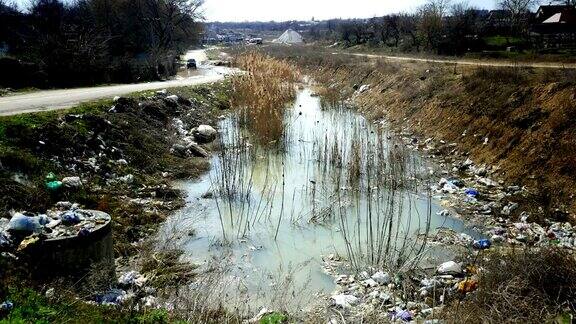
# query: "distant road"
[[66, 98], [544, 65]]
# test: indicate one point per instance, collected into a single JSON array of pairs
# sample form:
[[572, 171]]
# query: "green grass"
[[502, 41], [274, 318], [33, 307]]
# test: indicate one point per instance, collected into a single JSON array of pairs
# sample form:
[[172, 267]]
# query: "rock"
[[344, 301], [450, 267], [497, 238], [381, 278], [204, 134], [173, 98], [72, 182], [488, 182], [198, 151]]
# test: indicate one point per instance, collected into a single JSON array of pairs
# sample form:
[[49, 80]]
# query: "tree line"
[[88, 42], [438, 26]]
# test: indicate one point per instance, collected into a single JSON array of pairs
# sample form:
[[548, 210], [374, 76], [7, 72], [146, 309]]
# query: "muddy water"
[[263, 218]]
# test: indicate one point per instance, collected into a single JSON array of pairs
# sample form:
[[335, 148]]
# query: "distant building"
[[555, 19]]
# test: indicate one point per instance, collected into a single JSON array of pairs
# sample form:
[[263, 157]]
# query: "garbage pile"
[[377, 290], [65, 220], [131, 288]]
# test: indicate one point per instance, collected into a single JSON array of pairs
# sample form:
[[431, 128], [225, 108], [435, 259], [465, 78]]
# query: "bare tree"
[[519, 10], [431, 17]]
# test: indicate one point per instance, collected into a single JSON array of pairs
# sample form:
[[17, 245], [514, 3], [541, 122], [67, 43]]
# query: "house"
[[555, 19]]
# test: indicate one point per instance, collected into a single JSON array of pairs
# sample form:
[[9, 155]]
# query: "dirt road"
[[66, 98], [544, 65]]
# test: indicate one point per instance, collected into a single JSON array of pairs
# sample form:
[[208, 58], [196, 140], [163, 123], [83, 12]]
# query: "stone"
[[72, 182], [204, 133], [381, 278]]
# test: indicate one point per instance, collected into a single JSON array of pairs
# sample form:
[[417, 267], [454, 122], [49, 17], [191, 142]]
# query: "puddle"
[[265, 217]]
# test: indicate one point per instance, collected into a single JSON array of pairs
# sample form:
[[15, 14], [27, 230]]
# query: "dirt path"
[[544, 65], [66, 98]]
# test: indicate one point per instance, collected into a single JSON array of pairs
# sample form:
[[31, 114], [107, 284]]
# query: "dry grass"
[[529, 286], [262, 93]]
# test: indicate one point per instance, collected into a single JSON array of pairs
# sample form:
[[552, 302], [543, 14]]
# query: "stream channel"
[[260, 222]]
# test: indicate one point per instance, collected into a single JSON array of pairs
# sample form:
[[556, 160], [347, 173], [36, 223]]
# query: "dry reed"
[[261, 94]]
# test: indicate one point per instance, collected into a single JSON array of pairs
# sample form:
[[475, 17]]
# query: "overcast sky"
[[281, 10]]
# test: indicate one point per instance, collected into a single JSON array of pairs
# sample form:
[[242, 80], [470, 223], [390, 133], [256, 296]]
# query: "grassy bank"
[[121, 150]]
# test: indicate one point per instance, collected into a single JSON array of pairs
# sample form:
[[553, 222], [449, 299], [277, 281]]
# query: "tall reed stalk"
[[262, 93]]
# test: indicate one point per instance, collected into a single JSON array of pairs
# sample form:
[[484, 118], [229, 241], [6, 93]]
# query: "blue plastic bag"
[[70, 218], [482, 244], [472, 193], [23, 223]]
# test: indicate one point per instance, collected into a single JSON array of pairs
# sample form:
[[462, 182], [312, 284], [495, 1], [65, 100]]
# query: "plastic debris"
[[449, 267], [22, 223], [482, 244], [403, 315], [472, 193], [132, 278], [71, 218], [344, 301], [5, 241], [54, 186], [6, 306], [467, 285], [112, 297]]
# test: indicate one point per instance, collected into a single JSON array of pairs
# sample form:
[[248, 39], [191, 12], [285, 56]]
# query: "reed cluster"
[[262, 93]]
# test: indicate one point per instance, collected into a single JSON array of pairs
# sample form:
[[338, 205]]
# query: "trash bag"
[[471, 192], [53, 186], [112, 297], [481, 244], [23, 223], [70, 218]]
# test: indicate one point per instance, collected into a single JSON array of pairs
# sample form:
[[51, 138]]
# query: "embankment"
[[519, 122]]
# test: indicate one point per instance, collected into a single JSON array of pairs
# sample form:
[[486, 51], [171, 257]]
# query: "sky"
[[266, 10], [282, 10]]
